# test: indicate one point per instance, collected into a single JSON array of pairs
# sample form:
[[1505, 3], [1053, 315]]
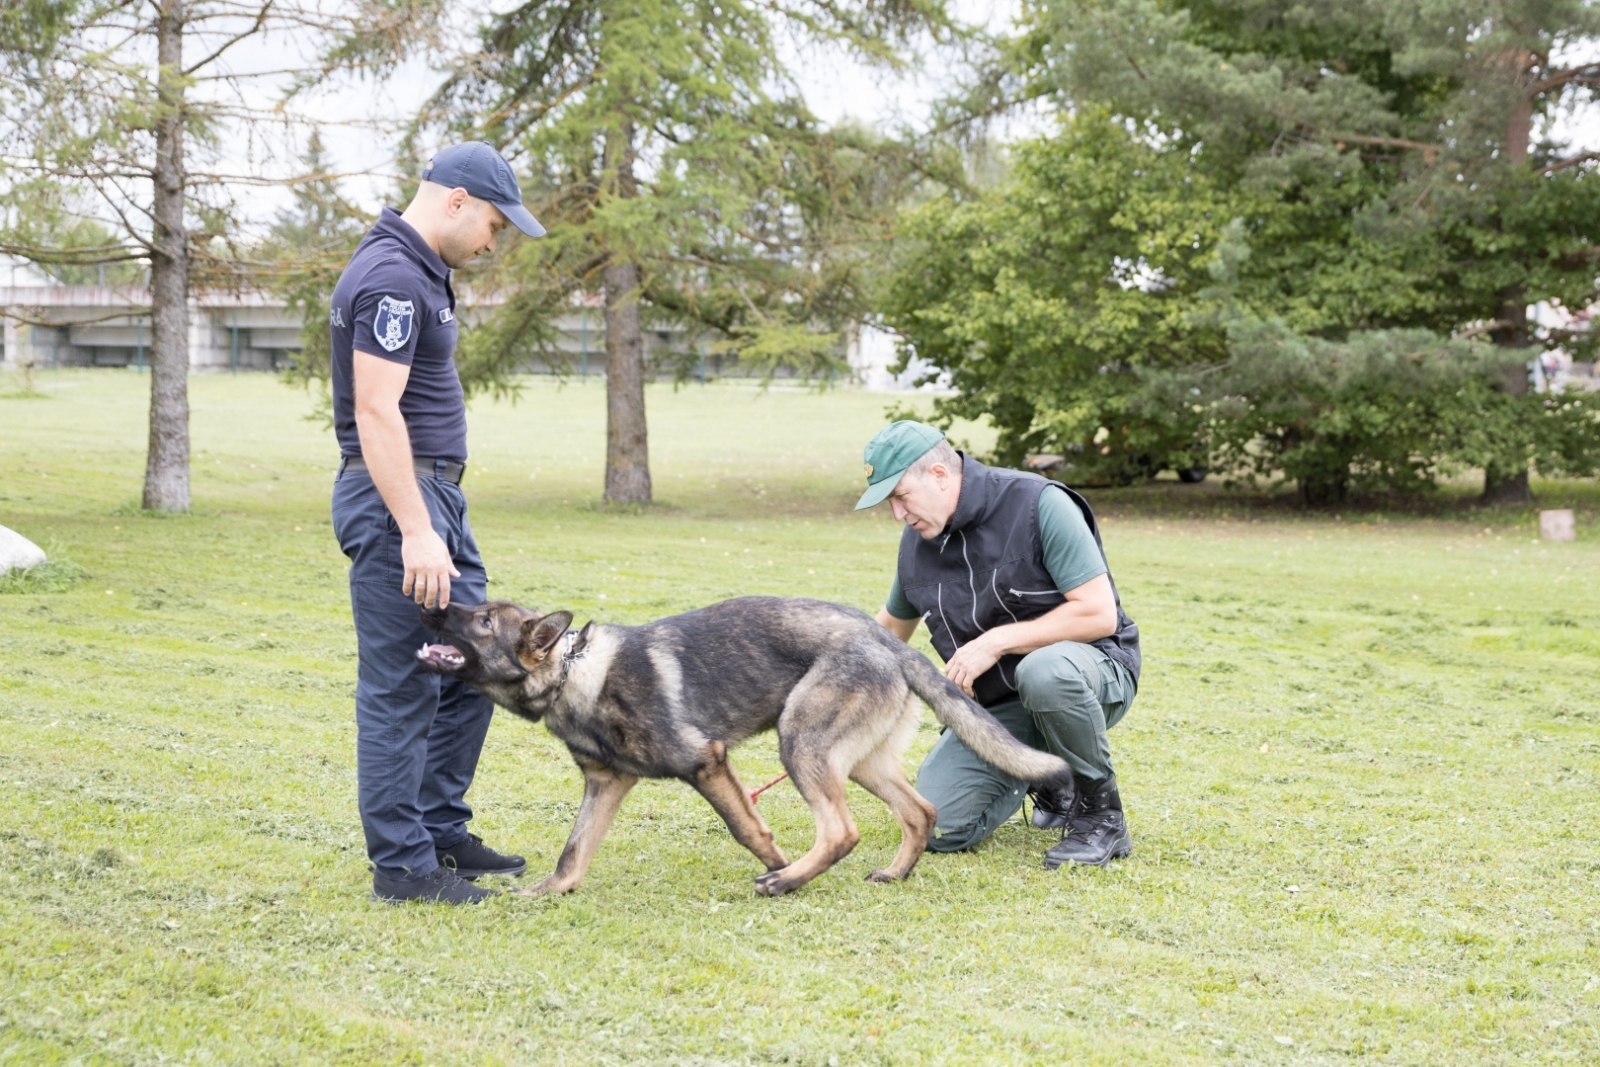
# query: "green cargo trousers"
[[1069, 695]]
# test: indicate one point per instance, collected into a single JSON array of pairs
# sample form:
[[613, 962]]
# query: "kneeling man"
[[1007, 570]]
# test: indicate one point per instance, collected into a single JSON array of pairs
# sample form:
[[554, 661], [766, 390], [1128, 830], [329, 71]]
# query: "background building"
[[47, 324]]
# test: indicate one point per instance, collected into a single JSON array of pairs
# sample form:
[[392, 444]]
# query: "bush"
[[1106, 303], [1047, 298], [1383, 410]]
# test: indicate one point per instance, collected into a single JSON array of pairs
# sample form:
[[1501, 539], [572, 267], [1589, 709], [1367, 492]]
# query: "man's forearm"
[[386, 447], [1072, 621]]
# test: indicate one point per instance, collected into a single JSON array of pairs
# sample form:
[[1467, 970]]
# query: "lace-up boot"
[[1099, 832], [1053, 807]]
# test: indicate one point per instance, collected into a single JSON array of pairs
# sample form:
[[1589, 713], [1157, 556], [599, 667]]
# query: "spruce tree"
[[682, 178], [1392, 166]]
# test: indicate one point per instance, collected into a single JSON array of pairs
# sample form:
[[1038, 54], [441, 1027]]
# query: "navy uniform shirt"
[[394, 301]]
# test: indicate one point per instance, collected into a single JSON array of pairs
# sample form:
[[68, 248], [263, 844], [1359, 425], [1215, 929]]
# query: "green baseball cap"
[[890, 453]]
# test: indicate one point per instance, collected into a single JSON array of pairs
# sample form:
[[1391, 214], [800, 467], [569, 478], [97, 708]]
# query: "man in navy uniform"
[[1007, 570], [400, 516]]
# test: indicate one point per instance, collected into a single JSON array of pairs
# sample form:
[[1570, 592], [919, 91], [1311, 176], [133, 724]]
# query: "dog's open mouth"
[[441, 657]]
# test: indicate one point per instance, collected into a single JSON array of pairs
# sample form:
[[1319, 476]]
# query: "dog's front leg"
[[721, 787], [603, 790]]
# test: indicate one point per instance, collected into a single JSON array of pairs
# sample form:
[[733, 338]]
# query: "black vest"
[[987, 569]]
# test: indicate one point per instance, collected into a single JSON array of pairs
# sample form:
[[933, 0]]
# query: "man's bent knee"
[[1053, 672]]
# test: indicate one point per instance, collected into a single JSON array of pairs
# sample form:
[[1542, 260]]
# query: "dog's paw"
[[544, 888], [772, 884], [883, 874]]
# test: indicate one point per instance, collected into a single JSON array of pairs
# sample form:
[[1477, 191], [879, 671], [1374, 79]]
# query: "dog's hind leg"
[[721, 787], [881, 775], [834, 718], [603, 790], [822, 785], [816, 765]]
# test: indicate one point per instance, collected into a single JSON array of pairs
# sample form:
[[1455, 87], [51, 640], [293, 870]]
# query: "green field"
[[1361, 776]]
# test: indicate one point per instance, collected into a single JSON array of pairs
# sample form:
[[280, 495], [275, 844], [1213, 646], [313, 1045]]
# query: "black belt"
[[446, 470]]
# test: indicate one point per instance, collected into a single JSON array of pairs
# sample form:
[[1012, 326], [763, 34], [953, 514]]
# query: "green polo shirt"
[[1070, 554]]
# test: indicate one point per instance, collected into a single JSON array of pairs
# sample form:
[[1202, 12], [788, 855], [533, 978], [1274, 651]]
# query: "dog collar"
[[569, 655]]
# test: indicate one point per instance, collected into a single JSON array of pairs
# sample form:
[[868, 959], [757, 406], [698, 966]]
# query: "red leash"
[[755, 794]]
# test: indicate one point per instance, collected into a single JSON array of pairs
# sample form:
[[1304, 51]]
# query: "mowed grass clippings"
[[1361, 777]]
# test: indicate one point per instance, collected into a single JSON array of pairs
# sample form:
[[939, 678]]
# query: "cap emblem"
[[869, 471]]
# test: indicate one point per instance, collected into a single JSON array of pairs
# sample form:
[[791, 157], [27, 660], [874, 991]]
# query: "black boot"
[[1099, 832], [471, 858], [1053, 806], [438, 886]]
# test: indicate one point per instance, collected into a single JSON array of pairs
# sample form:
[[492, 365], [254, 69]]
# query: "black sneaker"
[[1099, 831], [1053, 807], [471, 858], [438, 886]]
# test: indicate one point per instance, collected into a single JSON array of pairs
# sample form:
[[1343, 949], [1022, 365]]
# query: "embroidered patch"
[[336, 317], [446, 315], [391, 326], [869, 471]]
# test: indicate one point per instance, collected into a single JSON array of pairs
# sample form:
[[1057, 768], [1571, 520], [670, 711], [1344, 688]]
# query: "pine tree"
[[1410, 128], [306, 248], [682, 178], [1392, 165]]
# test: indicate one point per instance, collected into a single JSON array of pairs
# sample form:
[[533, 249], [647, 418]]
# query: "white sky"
[[836, 86], [365, 118]]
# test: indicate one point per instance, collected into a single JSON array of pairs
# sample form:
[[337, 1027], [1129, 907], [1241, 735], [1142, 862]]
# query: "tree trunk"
[[166, 473], [1508, 484], [1519, 129], [627, 448], [1323, 492], [1501, 489]]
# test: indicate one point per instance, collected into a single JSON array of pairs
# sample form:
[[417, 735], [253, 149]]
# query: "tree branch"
[[1579, 258], [1563, 164], [255, 28], [1588, 74], [1482, 328], [1430, 152]]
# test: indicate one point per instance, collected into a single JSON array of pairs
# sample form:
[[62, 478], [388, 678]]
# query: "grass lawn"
[[1361, 776]]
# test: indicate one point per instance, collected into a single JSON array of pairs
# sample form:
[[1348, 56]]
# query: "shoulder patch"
[[391, 326], [446, 315]]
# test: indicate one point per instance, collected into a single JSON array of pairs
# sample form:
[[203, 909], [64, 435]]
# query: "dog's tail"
[[981, 731]]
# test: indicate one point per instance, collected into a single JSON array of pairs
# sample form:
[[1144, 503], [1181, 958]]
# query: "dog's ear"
[[583, 637], [540, 635]]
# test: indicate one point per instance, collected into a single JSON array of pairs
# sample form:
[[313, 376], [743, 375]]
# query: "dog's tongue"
[[447, 655]]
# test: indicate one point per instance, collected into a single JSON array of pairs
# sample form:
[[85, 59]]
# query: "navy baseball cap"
[[482, 171]]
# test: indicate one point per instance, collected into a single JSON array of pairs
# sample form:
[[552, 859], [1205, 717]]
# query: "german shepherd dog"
[[669, 699]]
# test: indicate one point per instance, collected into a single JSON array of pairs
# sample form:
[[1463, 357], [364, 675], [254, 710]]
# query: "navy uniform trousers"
[[418, 734]]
